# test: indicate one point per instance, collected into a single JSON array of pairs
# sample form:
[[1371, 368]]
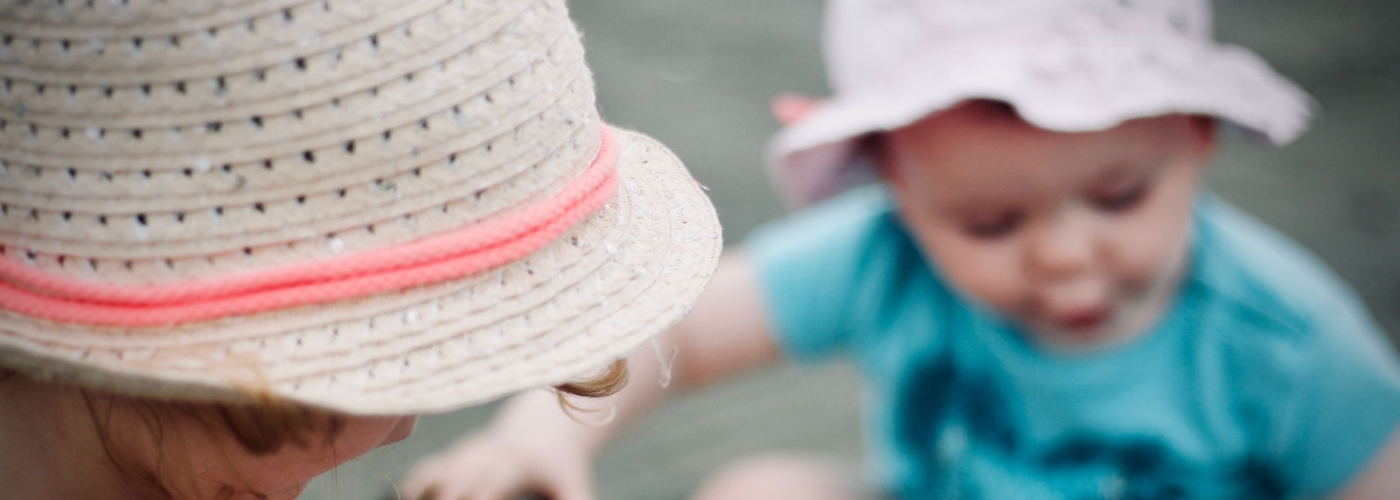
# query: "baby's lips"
[[1083, 320]]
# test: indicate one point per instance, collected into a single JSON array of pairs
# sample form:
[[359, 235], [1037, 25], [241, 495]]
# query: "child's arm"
[[1381, 480], [532, 445]]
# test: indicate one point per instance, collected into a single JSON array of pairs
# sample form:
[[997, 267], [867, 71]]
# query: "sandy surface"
[[698, 75]]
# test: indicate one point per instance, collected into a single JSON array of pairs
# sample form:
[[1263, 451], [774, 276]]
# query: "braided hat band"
[[450, 255], [368, 206]]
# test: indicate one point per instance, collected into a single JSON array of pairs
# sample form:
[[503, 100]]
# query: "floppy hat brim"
[[616, 279], [1092, 84]]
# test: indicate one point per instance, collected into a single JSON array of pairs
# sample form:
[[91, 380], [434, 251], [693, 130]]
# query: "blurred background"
[[698, 75]]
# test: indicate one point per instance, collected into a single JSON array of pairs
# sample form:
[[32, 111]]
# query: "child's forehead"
[[982, 149], [1069, 65], [974, 122], [962, 13]]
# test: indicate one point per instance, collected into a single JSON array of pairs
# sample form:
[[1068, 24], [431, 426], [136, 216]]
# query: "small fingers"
[[421, 483], [438, 480], [791, 108], [429, 493], [448, 480], [451, 491], [568, 483]]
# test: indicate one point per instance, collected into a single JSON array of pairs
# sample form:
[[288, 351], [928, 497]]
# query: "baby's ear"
[[790, 108], [1204, 134], [876, 147]]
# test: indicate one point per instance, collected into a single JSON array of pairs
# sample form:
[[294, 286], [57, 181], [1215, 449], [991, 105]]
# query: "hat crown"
[[867, 40], [165, 140], [369, 206]]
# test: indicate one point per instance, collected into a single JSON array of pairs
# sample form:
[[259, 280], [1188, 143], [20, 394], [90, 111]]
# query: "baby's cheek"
[[1144, 253], [989, 273], [1154, 239]]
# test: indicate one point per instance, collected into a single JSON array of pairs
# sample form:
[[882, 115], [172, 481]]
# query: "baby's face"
[[1079, 237]]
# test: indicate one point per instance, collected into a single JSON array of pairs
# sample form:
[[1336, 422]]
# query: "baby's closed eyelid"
[[1119, 184], [993, 227], [1121, 197]]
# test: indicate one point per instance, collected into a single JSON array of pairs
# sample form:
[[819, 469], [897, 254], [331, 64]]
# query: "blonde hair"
[[606, 384], [613, 379]]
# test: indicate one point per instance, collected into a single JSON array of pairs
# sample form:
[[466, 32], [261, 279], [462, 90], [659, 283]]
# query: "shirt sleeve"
[[812, 267], [1346, 406], [1319, 383]]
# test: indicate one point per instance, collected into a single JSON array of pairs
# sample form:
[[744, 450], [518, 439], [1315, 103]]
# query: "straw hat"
[[375, 207], [1065, 65]]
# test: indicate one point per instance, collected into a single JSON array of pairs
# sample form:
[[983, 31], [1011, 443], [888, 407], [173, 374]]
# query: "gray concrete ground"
[[698, 75]]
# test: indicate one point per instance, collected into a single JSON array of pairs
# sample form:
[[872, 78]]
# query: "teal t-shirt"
[[1266, 379]]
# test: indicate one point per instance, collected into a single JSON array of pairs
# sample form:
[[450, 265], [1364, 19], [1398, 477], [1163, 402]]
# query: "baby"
[[1042, 299]]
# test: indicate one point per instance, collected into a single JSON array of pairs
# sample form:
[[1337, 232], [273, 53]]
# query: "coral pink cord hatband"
[[455, 254]]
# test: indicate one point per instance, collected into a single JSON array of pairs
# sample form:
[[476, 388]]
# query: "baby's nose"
[[1077, 295], [1061, 247]]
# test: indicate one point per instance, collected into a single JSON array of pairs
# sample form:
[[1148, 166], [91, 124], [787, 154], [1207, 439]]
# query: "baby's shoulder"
[[859, 213], [1269, 300], [856, 232]]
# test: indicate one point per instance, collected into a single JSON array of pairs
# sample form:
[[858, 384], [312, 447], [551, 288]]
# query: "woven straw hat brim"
[[1080, 85], [183, 145], [615, 280]]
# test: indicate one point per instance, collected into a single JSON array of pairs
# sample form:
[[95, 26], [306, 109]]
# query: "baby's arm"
[[532, 445], [1381, 480]]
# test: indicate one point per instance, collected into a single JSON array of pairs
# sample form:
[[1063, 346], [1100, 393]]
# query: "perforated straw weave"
[[163, 143]]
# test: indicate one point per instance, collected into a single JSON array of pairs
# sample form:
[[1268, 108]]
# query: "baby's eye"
[[995, 227], [1121, 199]]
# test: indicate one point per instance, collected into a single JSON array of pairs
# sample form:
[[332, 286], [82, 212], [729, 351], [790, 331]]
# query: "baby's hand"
[[791, 108], [500, 465]]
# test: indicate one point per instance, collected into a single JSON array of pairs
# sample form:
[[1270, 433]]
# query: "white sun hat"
[[1065, 65], [367, 206]]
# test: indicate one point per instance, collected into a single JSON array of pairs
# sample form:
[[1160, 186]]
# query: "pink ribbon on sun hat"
[[445, 256]]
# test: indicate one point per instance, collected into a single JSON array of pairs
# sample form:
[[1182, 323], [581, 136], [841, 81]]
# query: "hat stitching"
[[598, 328], [525, 311], [382, 409], [337, 27], [582, 268], [430, 202], [585, 273], [204, 166], [97, 15], [571, 241], [32, 179], [438, 257], [314, 79], [595, 270], [250, 114]]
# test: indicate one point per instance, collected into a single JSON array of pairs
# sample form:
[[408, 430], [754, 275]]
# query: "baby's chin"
[[1131, 314], [1085, 334], [1085, 340]]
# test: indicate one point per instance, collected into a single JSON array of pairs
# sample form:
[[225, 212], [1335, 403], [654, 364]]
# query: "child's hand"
[[790, 108], [533, 446], [503, 465]]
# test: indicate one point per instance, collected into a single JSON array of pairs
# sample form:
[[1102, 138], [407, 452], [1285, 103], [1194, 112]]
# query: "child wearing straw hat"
[[1040, 296], [245, 241]]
